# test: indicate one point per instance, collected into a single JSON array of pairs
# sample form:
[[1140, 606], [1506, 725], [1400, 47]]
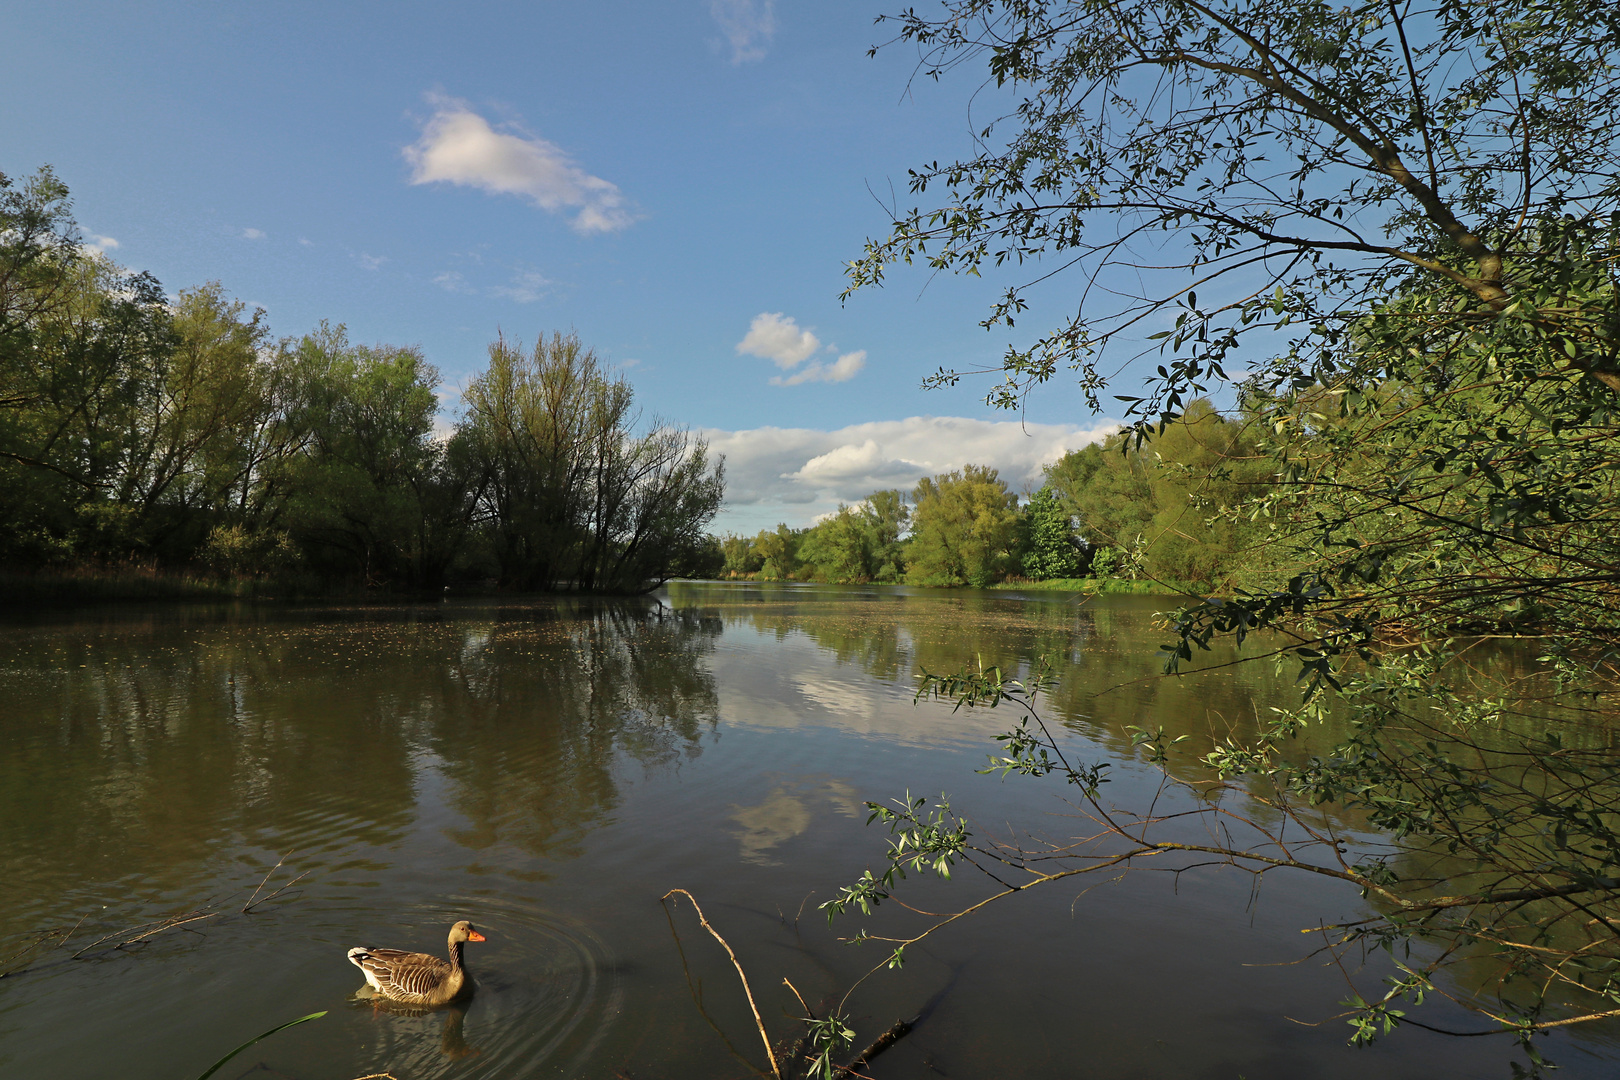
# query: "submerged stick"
[[900, 1030], [764, 1037]]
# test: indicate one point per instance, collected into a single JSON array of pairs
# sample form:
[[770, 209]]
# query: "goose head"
[[464, 931]]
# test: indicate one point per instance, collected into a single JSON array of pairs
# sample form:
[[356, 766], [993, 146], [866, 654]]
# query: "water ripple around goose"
[[548, 992]]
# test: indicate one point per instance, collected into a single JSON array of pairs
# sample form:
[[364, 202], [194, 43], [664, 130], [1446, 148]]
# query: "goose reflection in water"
[[452, 1042]]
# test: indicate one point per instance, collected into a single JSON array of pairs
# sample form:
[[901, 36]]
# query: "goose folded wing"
[[406, 972]]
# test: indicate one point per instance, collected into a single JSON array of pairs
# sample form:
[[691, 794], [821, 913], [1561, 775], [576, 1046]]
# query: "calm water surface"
[[549, 769]]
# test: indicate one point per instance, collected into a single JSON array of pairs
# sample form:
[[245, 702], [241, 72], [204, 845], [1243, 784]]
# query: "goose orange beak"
[[473, 935]]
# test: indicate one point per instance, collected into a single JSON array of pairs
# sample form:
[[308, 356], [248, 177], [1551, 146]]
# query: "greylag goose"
[[418, 978]]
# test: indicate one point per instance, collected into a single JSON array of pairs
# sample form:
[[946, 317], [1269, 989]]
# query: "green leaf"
[[212, 1069]]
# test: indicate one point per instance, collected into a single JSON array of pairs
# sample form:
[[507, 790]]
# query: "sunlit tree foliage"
[[172, 432], [1404, 221]]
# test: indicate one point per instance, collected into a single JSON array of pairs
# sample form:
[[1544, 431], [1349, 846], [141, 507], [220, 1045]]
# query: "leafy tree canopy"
[[965, 528], [1404, 220]]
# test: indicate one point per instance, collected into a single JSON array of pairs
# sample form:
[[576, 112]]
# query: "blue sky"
[[680, 182]]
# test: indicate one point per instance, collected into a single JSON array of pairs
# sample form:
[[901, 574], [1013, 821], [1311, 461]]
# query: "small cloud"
[[629, 363], [843, 369], [451, 281], [102, 244], [371, 262], [306, 243], [449, 408], [777, 338], [748, 25], [527, 287], [253, 234], [459, 147], [846, 366]]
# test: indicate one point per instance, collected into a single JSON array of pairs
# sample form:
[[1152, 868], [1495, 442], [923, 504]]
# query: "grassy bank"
[[1094, 586]]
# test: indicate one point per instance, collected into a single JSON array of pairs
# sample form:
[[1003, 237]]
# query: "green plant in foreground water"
[[215, 1067], [826, 1038], [1495, 846]]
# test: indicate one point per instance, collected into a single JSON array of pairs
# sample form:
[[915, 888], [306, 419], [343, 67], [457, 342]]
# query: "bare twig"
[[800, 912], [696, 991], [39, 939], [764, 1036], [254, 901], [796, 1051], [147, 930], [169, 924]]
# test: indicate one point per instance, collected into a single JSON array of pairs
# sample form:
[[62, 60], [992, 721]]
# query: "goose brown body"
[[419, 978]]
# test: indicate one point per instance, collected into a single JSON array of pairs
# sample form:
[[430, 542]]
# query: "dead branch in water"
[[142, 931], [42, 942], [900, 1030], [764, 1036], [254, 901], [696, 990]]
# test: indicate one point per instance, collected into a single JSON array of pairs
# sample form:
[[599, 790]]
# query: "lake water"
[[549, 769]]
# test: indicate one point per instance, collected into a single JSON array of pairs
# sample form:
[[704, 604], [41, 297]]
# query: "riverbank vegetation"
[[174, 440], [1149, 515], [1403, 224]]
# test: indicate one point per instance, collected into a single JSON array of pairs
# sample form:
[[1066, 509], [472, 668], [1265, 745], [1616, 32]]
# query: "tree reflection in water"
[[138, 745]]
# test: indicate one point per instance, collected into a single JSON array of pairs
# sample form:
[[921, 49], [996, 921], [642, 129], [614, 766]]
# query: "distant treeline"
[[176, 432], [1114, 509]]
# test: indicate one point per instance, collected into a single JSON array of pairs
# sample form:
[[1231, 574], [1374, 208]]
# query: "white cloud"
[[748, 25], [841, 370], [444, 419], [777, 338], [795, 474], [452, 281], [865, 464], [253, 234], [527, 287], [371, 262], [459, 147], [846, 366], [102, 244], [306, 243]]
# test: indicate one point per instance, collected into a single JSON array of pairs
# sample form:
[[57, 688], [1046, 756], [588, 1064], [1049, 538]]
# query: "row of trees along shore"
[[175, 434], [1118, 509]]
